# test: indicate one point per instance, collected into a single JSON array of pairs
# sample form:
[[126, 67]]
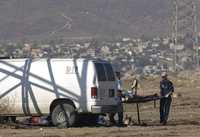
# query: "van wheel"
[[63, 115]]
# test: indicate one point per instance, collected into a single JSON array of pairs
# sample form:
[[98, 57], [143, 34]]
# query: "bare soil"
[[184, 119]]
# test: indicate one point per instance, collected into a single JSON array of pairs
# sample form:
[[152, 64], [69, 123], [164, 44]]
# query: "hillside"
[[33, 19]]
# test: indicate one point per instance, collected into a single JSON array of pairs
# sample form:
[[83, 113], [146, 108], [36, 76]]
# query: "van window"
[[100, 72], [109, 72]]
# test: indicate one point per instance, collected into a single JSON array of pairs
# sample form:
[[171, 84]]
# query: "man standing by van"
[[120, 108], [119, 102], [166, 90]]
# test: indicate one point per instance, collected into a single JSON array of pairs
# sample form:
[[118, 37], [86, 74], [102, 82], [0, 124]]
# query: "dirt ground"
[[184, 120]]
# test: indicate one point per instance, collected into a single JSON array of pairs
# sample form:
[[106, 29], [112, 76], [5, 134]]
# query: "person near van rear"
[[119, 102], [119, 83], [120, 107], [166, 90]]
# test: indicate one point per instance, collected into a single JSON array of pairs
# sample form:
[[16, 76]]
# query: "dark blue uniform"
[[166, 87], [120, 109]]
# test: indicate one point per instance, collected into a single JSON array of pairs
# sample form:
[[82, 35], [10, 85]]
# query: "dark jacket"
[[166, 86]]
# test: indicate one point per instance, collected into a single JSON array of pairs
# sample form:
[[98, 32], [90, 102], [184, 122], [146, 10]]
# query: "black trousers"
[[119, 113], [165, 104]]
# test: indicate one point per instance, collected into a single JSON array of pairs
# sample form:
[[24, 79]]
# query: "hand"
[[167, 95]]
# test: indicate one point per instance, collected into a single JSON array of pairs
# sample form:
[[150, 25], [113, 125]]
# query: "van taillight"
[[93, 92]]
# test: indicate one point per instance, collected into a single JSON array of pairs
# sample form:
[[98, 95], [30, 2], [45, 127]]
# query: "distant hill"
[[40, 19]]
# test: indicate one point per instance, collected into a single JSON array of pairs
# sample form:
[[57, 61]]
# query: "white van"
[[60, 88]]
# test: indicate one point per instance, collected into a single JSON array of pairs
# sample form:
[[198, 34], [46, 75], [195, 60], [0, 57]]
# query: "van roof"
[[56, 59]]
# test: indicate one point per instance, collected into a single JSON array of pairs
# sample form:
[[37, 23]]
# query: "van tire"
[[63, 115]]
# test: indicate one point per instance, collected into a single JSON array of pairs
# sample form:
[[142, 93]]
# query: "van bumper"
[[104, 109]]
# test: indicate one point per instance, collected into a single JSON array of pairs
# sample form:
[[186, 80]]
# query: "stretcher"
[[140, 99], [137, 99]]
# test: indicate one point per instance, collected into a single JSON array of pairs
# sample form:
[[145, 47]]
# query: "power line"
[[183, 22], [20, 19]]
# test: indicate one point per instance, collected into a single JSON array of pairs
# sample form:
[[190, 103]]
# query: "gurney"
[[140, 99], [137, 99]]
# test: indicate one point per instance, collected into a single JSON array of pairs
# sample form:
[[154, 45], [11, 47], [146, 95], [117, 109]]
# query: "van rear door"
[[107, 84]]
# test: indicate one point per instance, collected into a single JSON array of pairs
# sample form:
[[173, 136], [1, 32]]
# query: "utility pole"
[[20, 20], [195, 34], [183, 22], [174, 31], [176, 36]]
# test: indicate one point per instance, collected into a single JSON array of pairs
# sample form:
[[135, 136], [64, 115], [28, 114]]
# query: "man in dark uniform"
[[119, 102], [166, 90], [120, 107]]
